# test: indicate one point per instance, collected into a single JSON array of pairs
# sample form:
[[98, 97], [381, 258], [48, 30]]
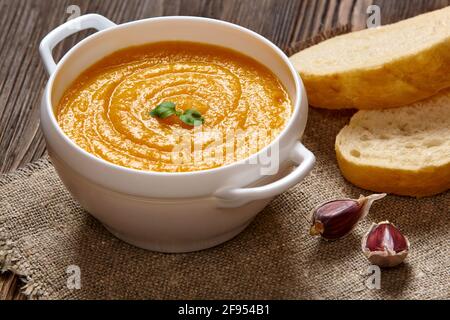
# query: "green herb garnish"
[[192, 117], [166, 109]]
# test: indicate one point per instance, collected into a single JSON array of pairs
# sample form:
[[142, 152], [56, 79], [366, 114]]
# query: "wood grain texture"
[[23, 23]]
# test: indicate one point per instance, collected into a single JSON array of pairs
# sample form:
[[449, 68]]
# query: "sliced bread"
[[404, 151], [384, 67]]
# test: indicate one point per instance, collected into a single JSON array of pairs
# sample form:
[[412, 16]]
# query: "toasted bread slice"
[[384, 67], [405, 151]]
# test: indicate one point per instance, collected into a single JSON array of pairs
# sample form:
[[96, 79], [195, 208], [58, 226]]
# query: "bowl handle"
[[72, 26], [236, 197]]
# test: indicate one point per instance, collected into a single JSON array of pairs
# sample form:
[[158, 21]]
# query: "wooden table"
[[23, 23]]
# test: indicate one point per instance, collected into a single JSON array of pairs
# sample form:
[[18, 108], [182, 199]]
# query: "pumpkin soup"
[[135, 107]]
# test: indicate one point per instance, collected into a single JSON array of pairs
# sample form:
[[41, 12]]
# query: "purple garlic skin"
[[337, 218], [384, 245]]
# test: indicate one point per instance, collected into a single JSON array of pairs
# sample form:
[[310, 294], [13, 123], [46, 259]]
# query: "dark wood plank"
[[393, 11], [10, 287], [23, 23]]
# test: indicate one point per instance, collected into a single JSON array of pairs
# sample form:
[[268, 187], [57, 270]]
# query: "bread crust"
[[398, 83], [426, 181]]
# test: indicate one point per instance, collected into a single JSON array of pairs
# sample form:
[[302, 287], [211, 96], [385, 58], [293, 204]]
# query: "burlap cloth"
[[43, 231]]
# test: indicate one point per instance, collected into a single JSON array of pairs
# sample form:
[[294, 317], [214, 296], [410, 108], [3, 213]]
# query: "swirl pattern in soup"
[[106, 110]]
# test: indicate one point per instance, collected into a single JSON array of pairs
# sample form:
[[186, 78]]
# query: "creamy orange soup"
[[106, 110]]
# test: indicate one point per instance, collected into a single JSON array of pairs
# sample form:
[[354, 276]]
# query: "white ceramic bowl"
[[170, 212]]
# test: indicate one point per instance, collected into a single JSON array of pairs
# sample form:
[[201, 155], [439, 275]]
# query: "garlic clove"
[[337, 218], [384, 245]]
